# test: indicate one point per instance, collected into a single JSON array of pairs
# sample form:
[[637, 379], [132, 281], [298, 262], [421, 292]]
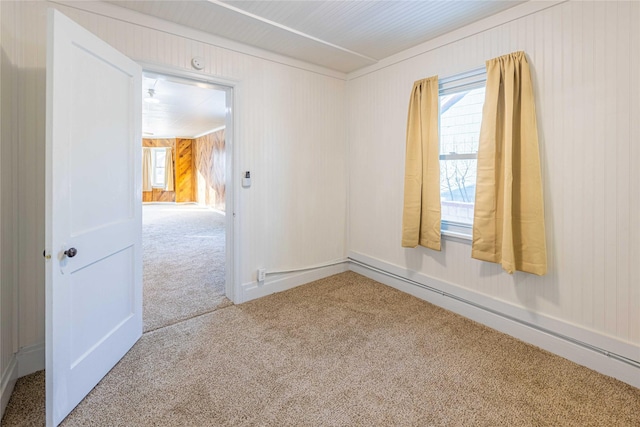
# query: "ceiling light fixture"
[[150, 99]]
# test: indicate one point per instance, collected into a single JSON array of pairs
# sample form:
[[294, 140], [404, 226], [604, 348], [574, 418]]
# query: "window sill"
[[457, 232], [456, 237]]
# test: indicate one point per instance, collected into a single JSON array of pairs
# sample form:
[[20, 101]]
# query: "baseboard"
[[26, 361], [287, 281], [7, 382], [30, 359], [604, 354]]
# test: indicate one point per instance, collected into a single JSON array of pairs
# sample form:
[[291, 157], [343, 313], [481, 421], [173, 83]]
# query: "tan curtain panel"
[[421, 212], [508, 223], [168, 170], [146, 169]]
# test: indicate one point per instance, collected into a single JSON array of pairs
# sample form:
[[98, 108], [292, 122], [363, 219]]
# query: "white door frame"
[[232, 248]]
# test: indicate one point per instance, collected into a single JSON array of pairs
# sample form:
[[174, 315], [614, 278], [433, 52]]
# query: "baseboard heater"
[[631, 362]]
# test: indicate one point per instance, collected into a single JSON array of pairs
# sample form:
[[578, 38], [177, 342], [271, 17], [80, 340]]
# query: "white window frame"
[[449, 85], [154, 183]]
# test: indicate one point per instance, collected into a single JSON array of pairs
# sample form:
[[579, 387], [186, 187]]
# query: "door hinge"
[[44, 254]]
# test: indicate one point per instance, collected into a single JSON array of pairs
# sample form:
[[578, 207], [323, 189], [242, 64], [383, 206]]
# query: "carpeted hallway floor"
[[183, 255], [344, 351]]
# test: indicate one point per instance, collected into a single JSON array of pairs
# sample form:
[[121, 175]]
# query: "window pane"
[[460, 119], [458, 189], [160, 154], [158, 178], [159, 158]]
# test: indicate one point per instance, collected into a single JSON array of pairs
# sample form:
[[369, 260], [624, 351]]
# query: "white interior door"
[[94, 191]]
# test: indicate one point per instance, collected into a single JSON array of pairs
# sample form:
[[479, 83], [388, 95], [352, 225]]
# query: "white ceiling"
[[183, 110], [341, 35]]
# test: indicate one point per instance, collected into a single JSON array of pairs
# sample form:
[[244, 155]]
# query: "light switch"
[[246, 179]]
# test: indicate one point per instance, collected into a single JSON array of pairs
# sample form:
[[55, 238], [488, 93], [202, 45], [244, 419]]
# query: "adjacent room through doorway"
[[184, 199], [183, 263]]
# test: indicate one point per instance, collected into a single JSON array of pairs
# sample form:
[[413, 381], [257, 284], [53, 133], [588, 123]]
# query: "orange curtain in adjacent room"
[[508, 223], [421, 212]]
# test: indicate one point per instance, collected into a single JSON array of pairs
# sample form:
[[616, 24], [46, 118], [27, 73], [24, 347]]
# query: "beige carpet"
[[345, 351], [27, 404], [183, 255]]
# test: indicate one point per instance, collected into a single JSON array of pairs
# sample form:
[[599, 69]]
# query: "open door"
[[93, 212]]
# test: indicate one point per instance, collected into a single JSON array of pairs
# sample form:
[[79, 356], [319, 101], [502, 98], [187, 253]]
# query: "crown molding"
[[151, 22]]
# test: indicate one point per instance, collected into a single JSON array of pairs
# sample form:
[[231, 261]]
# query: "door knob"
[[71, 252]]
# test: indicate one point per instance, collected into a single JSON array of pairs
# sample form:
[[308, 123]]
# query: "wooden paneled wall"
[[199, 170], [184, 177], [159, 142], [182, 170], [209, 167], [158, 194]]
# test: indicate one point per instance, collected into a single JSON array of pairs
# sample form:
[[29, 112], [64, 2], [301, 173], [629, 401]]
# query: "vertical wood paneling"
[[584, 57], [570, 237], [579, 171], [634, 158], [8, 194], [610, 21], [30, 78], [599, 208], [623, 165], [588, 93]]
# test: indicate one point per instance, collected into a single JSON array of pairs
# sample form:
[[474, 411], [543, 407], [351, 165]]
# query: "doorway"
[[186, 160]]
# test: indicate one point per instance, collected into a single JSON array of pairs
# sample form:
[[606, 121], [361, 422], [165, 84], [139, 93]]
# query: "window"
[[158, 163], [461, 101]]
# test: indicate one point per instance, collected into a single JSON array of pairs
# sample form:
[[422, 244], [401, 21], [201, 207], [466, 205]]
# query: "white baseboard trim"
[[279, 283], [7, 382], [30, 359], [604, 354]]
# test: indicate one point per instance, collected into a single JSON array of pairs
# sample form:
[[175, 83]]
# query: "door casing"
[[233, 289]]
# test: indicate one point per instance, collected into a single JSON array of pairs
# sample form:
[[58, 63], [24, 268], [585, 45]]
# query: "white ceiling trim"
[[291, 30], [151, 22], [485, 24]]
